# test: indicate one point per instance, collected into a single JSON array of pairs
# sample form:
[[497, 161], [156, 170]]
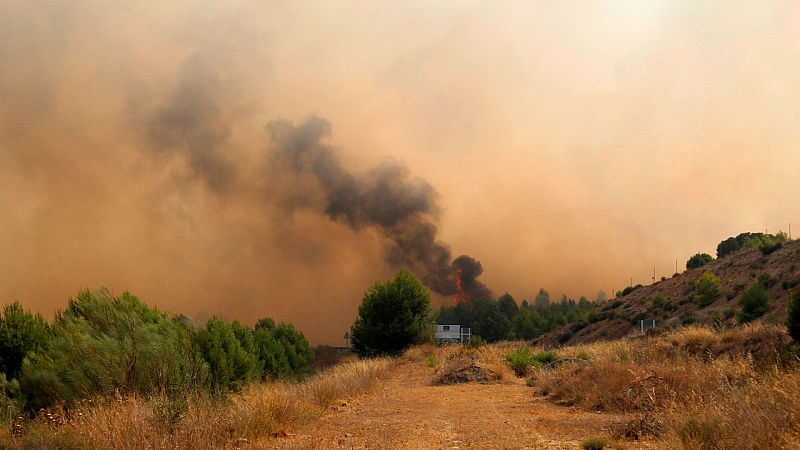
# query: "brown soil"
[[406, 411]]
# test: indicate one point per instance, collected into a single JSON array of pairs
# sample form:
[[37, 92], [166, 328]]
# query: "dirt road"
[[406, 412]]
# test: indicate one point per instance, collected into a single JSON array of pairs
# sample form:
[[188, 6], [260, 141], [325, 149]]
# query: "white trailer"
[[452, 334]]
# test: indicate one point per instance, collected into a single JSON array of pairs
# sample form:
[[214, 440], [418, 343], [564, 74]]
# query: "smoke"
[[386, 197], [191, 123], [565, 142], [469, 269], [193, 126]]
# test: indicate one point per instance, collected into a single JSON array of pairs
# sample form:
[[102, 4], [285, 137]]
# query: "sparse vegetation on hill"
[[690, 298]]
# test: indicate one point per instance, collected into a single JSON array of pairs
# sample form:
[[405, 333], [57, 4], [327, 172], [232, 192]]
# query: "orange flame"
[[459, 290]]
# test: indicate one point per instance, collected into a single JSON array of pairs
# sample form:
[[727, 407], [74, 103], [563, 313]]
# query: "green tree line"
[[503, 318], [103, 344]]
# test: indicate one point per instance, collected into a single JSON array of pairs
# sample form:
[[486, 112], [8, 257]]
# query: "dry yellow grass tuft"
[[343, 381], [260, 412], [694, 387]]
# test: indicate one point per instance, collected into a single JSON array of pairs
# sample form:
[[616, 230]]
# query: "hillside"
[[738, 271]]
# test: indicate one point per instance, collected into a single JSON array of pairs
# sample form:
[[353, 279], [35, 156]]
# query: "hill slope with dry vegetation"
[[778, 271]]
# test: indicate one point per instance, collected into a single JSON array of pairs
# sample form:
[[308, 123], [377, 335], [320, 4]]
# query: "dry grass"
[[693, 388], [251, 417]]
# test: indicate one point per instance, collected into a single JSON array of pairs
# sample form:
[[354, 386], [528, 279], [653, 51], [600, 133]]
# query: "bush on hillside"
[[522, 360], [699, 260], [754, 303], [706, 288], [766, 242], [661, 301], [630, 289], [790, 284]]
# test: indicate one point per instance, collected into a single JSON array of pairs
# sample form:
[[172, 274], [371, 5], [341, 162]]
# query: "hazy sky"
[[567, 145]]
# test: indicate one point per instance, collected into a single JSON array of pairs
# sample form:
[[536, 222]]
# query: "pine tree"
[[392, 317]]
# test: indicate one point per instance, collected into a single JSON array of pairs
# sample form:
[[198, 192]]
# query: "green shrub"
[[578, 326], [392, 317], [724, 318], [754, 303], [21, 332], [699, 260], [522, 360], [431, 361], [706, 288], [766, 280], [630, 289], [793, 317], [595, 444], [545, 357], [105, 344], [231, 365], [613, 305], [766, 242], [9, 400], [790, 284], [766, 249], [661, 301]]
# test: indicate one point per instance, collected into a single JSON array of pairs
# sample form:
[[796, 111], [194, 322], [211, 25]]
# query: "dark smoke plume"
[[402, 208], [192, 123]]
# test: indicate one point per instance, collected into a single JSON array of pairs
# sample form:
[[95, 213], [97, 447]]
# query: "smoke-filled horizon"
[[249, 159]]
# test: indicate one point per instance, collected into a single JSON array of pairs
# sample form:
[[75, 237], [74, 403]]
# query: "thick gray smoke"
[[191, 123], [402, 208]]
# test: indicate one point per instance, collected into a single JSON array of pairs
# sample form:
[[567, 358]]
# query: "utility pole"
[[676, 265], [790, 231], [654, 275]]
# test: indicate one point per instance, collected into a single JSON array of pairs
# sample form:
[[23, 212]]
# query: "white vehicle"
[[452, 334]]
